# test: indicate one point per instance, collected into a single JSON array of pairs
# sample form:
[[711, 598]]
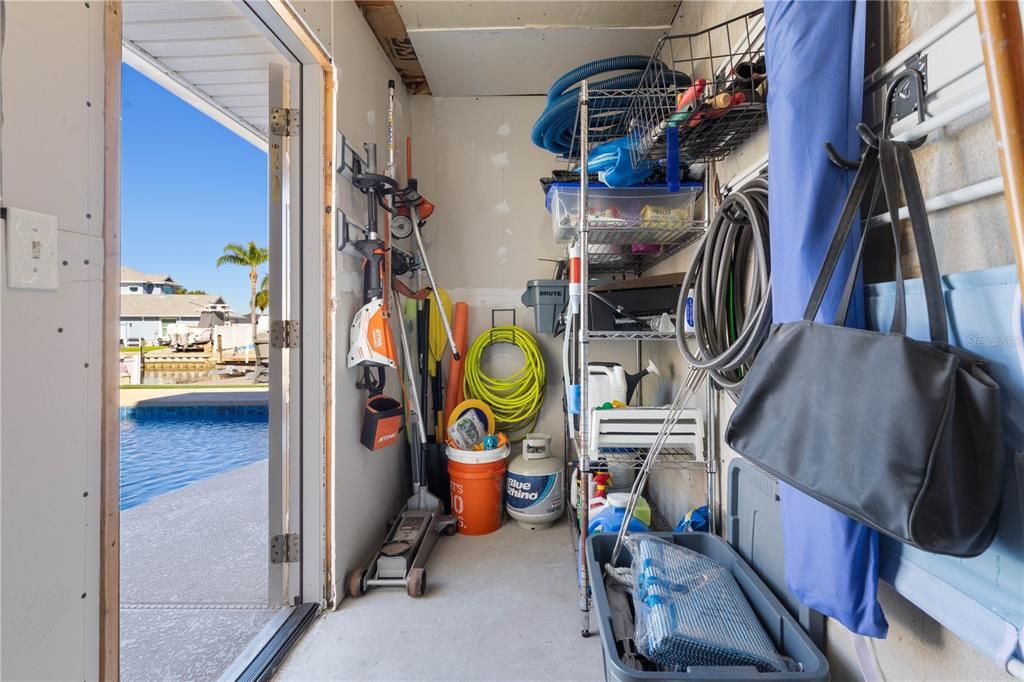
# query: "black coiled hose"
[[731, 282]]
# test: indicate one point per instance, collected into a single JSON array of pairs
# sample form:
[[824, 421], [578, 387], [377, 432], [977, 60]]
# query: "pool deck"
[[194, 396], [194, 576]]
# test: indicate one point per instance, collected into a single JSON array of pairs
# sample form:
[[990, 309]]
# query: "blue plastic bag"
[[614, 165], [696, 520], [815, 57]]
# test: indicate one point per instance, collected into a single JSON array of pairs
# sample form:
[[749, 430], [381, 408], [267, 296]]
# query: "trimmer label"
[[536, 494]]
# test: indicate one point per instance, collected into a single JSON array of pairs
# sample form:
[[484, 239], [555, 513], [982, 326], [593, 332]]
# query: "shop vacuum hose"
[[556, 126]]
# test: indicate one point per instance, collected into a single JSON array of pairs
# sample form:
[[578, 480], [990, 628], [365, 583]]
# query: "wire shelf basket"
[[633, 458], [705, 90], [636, 247]]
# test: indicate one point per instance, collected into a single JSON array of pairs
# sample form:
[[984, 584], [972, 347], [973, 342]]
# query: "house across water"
[[150, 304]]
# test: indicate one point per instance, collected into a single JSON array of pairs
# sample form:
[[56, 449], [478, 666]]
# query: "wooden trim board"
[[110, 436], [1002, 42]]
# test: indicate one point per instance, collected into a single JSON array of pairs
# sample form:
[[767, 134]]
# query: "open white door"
[[283, 481]]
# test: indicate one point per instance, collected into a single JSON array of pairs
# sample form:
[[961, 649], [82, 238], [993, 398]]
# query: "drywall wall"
[[51, 156], [474, 160], [970, 237], [491, 233], [367, 487]]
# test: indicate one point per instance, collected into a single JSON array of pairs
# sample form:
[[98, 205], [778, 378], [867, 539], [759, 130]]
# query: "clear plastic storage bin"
[[650, 206]]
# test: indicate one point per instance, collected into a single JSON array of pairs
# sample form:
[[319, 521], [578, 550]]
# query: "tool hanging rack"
[[713, 111]]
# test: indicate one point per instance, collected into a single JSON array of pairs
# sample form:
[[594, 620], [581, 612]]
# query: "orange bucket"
[[478, 488]]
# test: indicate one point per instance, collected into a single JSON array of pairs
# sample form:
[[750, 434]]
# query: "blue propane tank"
[[533, 484]]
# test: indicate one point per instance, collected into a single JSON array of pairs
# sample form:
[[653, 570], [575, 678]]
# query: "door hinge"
[[284, 122], [284, 549], [284, 334]]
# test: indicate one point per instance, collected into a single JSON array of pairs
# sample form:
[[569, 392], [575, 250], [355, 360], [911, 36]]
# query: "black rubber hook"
[[869, 137]]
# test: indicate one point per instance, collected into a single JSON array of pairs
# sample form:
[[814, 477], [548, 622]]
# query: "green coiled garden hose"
[[515, 399]]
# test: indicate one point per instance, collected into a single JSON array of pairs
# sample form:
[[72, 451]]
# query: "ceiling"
[[517, 47], [209, 52]]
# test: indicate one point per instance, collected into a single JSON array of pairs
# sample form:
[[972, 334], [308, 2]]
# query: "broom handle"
[[433, 285]]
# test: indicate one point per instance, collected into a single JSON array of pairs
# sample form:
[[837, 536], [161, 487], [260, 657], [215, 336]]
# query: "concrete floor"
[[194, 577], [498, 607]]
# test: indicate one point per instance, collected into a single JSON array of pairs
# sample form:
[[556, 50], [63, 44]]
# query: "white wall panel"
[[490, 233], [52, 160]]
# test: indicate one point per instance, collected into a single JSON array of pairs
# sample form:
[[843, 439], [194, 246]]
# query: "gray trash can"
[[547, 297], [789, 639]]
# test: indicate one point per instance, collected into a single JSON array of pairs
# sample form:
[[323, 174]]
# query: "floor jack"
[[402, 557]]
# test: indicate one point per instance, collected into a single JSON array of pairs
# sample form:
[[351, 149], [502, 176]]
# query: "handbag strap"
[[865, 178], [931, 276], [851, 281], [897, 165], [891, 164]]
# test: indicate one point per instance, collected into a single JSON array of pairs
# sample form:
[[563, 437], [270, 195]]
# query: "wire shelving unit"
[[702, 95]]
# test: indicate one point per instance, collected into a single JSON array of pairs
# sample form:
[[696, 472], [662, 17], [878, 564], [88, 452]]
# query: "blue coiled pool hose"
[[554, 129]]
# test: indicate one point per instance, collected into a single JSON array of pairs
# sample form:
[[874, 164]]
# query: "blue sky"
[[189, 186]]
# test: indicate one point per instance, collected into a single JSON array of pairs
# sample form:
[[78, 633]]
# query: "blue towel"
[[815, 58]]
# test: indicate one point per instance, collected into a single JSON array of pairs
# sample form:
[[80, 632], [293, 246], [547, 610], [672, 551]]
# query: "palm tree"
[[250, 256], [263, 295]]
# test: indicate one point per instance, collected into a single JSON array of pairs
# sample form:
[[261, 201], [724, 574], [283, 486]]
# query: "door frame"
[[315, 228]]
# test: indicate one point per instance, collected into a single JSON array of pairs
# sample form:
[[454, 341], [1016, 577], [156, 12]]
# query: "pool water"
[[165, 449]]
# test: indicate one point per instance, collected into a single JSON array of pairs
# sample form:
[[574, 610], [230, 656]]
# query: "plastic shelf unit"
[[629, 432]]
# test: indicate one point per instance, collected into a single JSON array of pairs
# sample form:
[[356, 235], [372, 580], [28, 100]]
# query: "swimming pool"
[[167, 448]]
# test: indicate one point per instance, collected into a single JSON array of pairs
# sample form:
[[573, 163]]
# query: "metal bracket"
[[494, 312], [284, 122], [284, 334], [284, 549], [349, 157], [345, 235], [905, 101]]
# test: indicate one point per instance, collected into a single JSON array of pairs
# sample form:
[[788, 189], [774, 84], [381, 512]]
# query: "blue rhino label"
[[534, 494]]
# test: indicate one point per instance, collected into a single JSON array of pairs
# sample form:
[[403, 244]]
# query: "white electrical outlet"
[[31, 250]]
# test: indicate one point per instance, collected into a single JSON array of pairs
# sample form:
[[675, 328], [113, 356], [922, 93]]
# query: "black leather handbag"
[[903, 435]]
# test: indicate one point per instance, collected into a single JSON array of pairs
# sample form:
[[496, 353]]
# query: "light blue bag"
[[815, 58]]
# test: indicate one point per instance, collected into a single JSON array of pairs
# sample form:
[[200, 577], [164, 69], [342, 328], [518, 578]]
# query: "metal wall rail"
[[942, 202]]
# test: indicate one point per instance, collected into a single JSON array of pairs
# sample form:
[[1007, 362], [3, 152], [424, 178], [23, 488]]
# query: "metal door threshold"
[[260, 661]]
